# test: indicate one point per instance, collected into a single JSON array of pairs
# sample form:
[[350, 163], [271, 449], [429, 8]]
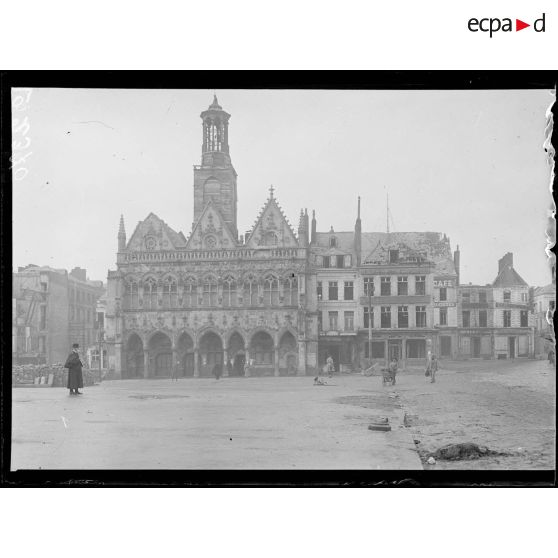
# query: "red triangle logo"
[[519, 25]]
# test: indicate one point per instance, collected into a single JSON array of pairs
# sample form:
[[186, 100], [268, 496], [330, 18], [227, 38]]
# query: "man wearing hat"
[[74, 365]]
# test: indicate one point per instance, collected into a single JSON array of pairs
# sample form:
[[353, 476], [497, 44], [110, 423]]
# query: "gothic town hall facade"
[[274, 301]]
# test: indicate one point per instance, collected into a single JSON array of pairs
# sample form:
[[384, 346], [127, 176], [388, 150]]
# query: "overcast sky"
[[469, 164]]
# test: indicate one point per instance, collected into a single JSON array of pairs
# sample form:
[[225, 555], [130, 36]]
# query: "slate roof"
[[434, 245], [508, 277]]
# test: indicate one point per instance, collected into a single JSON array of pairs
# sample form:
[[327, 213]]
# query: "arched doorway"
[[288, 354], [160, 355], [261, 352], [211, 353], [134, 357], [185, 356], [236, 355]]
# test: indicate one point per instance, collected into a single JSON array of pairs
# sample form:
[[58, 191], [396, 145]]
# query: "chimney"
[[358, 235], [456, 261], [505, 261], [79, 273], [313, 236]]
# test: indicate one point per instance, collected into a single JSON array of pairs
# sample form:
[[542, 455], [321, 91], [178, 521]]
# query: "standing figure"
[[74, 366], [217, 370], [433, 368], [393, 370], [330, 366]]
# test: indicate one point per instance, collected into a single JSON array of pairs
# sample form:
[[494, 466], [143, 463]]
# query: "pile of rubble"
[[48, 374]]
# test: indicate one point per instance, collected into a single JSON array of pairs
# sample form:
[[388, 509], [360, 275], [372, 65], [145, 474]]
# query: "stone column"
[[174, 372], [146, 363], [196, 363], [247, 369], [225, 362], [301, 358], [276, 360]]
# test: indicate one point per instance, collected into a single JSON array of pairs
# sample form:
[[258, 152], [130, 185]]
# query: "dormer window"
[[333, 242], [393, 256]]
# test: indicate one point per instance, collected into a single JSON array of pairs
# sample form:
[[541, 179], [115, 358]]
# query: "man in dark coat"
[[74, 366]]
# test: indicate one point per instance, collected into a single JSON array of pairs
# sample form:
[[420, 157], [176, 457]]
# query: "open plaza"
[[289, 423]]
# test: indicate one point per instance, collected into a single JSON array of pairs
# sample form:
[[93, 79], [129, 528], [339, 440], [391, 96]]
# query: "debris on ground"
[[431, 461], [380, 424], [467, 450]]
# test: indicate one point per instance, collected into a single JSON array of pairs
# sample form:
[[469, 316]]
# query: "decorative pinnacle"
[[121, 229], [271, 191]]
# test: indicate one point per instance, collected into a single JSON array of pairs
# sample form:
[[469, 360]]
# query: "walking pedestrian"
[[433, 368], [217, 370], [74, 366], [393, 370]]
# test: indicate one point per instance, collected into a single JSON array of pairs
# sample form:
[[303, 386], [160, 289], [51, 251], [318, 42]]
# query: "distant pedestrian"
[[217, 370], [330, 366], [433, 368], [393, 370], [74, 366]]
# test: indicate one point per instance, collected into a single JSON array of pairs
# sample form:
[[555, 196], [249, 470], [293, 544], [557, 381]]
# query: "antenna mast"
[[387, 212]]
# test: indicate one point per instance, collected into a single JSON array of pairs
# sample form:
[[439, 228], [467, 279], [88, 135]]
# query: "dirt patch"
[[367, 402], [467, 450], [149, 396]]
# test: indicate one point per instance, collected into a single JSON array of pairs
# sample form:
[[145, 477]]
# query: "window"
[[42, 318], [319, 290], [325, 261], [190, 293], [368, 315], [385, 286], [320, 322], [416, 348], [332, 290], [271, 291], [393, 256], [169, 293], [402, 286], [483, 322], [551, 305], [251, 293], [443, 316], [420, 314], [443, 293], [507, 296], [482, 297], [348, 290], [466, 317], [377, 349], [150, 294], [524, 318], [369, 286], [349, 321], [88, 315], [290, 291], [229, 292], [332, 242], [100, 320], [420, 285], [332, 321], [131, 299], [523, 297], [340, 261], [507, 318], [403, 316], [210, 292], [386, 316], [44, 286]]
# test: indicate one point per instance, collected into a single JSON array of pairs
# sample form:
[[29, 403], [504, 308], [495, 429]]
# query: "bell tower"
[[215, 178]]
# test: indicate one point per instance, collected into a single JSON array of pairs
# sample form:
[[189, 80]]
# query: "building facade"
[[244, 305], [544, 305], [52, 309], [496, 320]]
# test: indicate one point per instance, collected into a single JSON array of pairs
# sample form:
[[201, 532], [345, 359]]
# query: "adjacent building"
[[544, 305], [51, 310]]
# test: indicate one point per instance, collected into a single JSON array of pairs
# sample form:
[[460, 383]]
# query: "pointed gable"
[[271, 227], [210, 231], [508, 277], [154, 234]]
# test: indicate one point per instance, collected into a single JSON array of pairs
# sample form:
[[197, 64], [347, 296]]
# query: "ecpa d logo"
[[492, 25]]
